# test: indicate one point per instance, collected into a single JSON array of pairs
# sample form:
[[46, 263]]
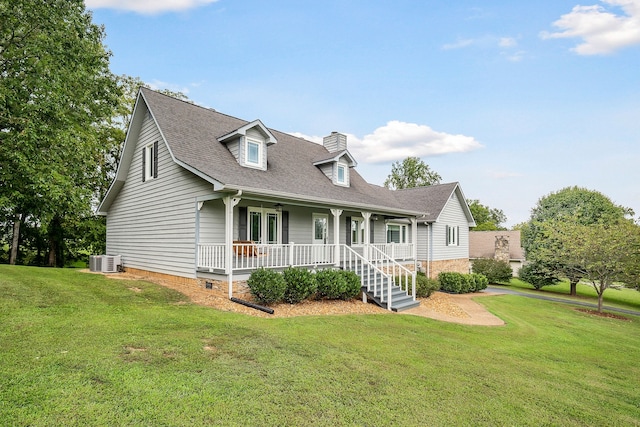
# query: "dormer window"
[[249, 143], [253, 152], [336, 167], [342, 175]]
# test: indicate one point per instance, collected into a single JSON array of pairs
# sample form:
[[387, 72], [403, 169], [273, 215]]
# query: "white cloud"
[[458, 45], [159, 84], [507, 42], [398, 140], [602, 32], [147, 6]]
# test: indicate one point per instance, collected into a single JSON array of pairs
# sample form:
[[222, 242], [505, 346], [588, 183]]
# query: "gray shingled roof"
[[191, 133]]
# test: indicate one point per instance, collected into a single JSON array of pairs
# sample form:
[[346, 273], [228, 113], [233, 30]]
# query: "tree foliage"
[[55, 92], [486, 218], [571, 204], [602, 253], [411, 172]]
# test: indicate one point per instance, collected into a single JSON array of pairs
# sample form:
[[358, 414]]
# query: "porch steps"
[[400, 300]]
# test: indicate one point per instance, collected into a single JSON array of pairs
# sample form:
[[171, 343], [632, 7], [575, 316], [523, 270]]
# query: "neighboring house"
[[500, 245], [202, 196]]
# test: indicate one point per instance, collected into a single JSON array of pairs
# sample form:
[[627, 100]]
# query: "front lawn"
[[81, 349], [614, 297]]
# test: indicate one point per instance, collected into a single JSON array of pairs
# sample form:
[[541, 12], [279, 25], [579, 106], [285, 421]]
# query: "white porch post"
[[336, 234], [366, 217], [229, 203], [414, 241], [414, 238]]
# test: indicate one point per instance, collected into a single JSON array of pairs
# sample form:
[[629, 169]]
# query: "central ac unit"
[[110, 263], [95, 263]]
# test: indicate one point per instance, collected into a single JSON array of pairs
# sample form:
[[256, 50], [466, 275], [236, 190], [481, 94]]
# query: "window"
[[357, 231], [453, 235], [150, 162], [342, 175], [396, 233], [264, 226], [253, 152]]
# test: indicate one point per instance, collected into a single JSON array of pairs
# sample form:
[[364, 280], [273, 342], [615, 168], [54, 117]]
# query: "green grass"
[[621, 298], [81, 349]]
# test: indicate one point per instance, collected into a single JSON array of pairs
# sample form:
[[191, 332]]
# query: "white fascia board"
[[128, 149], [242, 131]]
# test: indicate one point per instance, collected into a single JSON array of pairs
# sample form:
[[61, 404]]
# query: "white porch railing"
[[395, 250], [251, 256]]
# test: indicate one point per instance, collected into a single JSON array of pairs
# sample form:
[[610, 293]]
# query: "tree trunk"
[[600, 298], [574, 286], [55, 239], [15, 240], [52, 252]]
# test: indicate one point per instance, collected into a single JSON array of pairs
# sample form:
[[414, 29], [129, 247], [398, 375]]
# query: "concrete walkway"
[[496, 290]]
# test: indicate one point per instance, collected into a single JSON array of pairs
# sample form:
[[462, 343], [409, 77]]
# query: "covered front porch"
[[237, 235]]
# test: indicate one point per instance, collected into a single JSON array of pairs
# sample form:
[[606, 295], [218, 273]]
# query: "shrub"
[[452, 282], [495, 271], [267, 286], [301, 284], [353, 285], [425, 286], [337, 284], [466, 285], [536, 275], [331, 284], [478, 282]]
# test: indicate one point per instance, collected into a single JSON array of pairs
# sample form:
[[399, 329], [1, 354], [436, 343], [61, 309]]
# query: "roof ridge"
[[213, 110]]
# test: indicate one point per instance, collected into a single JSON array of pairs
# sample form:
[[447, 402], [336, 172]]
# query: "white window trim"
[[360, 233], [248, 162], [344, 174], [149, 162], [264, 225], [453, 235], [404, 237]]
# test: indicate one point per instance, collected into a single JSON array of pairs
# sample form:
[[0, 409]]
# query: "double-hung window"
[[453, 238], [396, 233], [253, 152]]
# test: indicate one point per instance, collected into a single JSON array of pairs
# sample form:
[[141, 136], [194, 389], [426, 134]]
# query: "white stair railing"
[[355, 262], [395, 269]]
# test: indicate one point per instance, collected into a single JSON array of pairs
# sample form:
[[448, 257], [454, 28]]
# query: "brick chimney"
[[335, 142]]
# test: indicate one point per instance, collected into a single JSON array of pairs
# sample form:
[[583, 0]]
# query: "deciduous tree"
[[571, 204], [411, 172], [55, 90], [602, 253], [486, 218]]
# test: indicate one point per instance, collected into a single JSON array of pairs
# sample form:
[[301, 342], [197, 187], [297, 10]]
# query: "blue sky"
[[514, 100]]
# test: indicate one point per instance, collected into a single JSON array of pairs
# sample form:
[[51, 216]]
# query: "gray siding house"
[[202, 196]]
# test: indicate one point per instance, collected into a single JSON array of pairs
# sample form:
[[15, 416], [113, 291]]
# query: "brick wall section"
[[218, 288], [460, 265]]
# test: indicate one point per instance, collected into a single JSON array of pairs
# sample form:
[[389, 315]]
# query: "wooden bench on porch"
[[245, 248]]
